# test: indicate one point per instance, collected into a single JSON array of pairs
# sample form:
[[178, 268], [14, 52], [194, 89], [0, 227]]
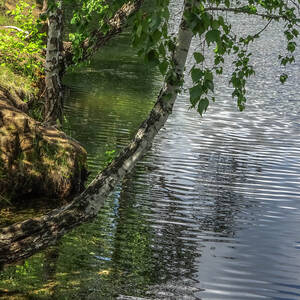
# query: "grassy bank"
[[21, 61]]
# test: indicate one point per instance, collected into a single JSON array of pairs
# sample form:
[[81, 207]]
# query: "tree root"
[[14, 98]]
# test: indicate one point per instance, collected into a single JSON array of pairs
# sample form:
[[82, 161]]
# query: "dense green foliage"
[[21, 49], [153, 40], [207, 20], [88, 17]]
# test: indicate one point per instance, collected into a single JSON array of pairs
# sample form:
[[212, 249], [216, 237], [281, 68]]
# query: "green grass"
[[8, 78], [4, 18], [13, 81]]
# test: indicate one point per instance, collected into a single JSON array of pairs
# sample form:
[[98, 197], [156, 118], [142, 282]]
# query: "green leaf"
[[152, 57], [215, 24], [171, 46], [252, 9], [208, 75], [202, 106], [221, 21], [199, 28], [283, 78], [195, 94], [206, 19], [291, 46], [139, 30], [209, 84], [162, 49], [155, 22], [288, 35], [196, 74], [163, 67], [219, 59], [198, 57], [156, 36], [212, 36], [165, 30], [219, 70], [295, 32]]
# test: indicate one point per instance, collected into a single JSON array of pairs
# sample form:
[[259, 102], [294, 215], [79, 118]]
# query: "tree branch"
[[16, 28], [116, 24], [264, 28], [241, 10]]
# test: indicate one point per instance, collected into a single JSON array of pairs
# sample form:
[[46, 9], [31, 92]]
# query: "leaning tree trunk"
[[23, 239], [54, 95]]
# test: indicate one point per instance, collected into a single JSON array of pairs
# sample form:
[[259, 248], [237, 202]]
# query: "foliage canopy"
[[20, 45], [152, 38]]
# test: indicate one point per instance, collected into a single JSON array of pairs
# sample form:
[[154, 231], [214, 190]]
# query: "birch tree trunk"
[[54, 94], [23, 239]]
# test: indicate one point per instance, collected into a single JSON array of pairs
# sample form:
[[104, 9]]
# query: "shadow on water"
[[109, 99]]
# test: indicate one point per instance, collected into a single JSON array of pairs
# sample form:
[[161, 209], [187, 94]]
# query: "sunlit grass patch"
[[21, 60], [13, 81], [5, 20]]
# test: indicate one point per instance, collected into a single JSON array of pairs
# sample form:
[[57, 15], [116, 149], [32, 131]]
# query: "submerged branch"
[[263, 29], [14, 27]]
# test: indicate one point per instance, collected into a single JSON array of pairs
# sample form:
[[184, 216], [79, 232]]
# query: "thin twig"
[[16, 28], [262, 30], [240, 10]]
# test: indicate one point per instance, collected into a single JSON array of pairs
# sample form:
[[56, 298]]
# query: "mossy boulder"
[[36, 160]]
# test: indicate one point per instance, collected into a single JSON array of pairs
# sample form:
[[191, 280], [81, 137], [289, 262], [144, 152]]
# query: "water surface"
[[211, 212]]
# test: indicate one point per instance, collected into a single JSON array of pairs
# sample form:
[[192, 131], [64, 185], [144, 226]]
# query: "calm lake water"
[[211, 212]]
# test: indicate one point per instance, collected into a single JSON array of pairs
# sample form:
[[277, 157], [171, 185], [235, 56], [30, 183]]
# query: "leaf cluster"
[[207, 19], [88, 17], [150, 35], [215, 30]]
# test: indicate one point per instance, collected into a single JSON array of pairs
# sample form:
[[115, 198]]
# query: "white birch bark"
[[26, 238], [54, 95]]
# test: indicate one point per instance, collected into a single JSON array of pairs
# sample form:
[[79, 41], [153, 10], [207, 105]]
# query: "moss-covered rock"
[[37, 160]]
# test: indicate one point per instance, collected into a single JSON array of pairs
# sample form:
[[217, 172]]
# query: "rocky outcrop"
[[37, 160]]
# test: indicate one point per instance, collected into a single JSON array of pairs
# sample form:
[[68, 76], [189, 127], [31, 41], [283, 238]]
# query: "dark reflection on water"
[[108, 100], [212, 212]]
